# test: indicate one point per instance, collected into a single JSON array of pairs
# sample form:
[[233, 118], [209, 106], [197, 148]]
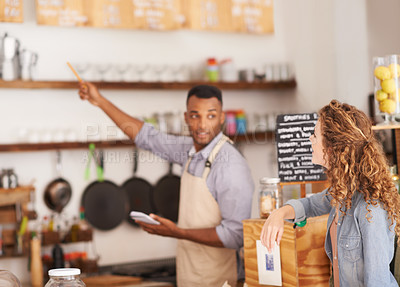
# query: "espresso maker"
[[10, 66]]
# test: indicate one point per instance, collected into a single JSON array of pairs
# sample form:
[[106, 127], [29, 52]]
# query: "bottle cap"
[[64, 272], [301, 223], [211, 61], [270, 180]]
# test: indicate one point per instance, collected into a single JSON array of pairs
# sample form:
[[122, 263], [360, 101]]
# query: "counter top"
[[141, 284]]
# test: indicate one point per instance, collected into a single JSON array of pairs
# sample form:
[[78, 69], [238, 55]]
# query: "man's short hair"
[[205, 92]]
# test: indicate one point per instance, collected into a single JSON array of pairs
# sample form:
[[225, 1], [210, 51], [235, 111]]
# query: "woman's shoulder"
[[368, 207]]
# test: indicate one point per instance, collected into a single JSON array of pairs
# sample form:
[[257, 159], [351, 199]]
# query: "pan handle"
[[170, 167], [87, 170], [100, 167], [90, 156], [135, 160], [58, 164]]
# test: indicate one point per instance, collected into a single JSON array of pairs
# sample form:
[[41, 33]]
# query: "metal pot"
[[58, 192]]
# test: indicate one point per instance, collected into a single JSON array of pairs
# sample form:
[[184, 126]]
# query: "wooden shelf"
[[19, 147], [386, 127], [23, 255], [11, 196], [19, 84], [257, 137], [19, 189], [54, 237]]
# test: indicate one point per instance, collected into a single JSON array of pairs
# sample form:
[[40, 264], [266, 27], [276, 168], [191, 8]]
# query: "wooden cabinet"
[[75, 259], [303, 258], [13, 207]]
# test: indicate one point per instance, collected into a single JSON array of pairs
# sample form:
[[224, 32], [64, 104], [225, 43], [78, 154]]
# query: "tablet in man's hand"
[[140, 216]]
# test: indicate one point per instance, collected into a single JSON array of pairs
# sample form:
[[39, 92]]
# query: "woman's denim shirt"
[[365, 249]]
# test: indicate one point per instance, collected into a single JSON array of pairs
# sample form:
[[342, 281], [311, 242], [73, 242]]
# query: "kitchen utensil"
[[105, 203], [28, 62], [21, 232], [58, 192], [73, 71], [11, 65], [2, 54], [8, 178], [99, 170], [139, 192], [166, 195], [5, 180]]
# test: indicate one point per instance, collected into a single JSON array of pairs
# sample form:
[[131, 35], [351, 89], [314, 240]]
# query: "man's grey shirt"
[[229, 180]]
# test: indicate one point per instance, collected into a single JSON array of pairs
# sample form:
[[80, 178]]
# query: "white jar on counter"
[[65, 277], [270, 197]]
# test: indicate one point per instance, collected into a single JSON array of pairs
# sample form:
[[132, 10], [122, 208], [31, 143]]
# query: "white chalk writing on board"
[[294, 148]]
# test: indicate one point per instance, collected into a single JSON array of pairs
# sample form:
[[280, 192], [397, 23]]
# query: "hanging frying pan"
[[139, 192], [166, 195], [58, 192], [104, 202]]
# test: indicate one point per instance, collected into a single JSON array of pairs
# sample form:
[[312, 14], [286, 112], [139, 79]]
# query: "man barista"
[[216, 186]]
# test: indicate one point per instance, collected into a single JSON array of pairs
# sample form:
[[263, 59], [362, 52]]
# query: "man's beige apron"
[[199, 264]]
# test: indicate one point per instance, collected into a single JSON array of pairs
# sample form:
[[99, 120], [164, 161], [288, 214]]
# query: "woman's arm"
[[294, 210], [273, 227], [315, 205], [378, 245]]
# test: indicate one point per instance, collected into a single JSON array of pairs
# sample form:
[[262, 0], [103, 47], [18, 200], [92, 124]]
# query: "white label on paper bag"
[[269, 265]]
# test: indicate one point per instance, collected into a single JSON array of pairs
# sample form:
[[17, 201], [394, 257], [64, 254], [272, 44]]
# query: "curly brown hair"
[[356, 161]]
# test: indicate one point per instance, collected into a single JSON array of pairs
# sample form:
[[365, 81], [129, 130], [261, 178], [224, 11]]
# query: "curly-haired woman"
[[362, 201]]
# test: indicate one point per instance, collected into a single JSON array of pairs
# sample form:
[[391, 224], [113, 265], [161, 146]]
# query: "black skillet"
[[139, 192], [166, 195], [104, 202]]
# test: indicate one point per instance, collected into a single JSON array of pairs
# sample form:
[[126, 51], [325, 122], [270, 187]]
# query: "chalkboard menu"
[[11, 11], [294, 148]]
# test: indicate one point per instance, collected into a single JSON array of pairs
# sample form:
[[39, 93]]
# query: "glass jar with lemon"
[[386, 83]]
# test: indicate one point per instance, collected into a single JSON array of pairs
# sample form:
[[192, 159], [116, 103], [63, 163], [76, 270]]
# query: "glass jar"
[[270, 197], [65, 277], [230, 123], [386, 85], [212, 72], [395, 176], [7, 279]]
